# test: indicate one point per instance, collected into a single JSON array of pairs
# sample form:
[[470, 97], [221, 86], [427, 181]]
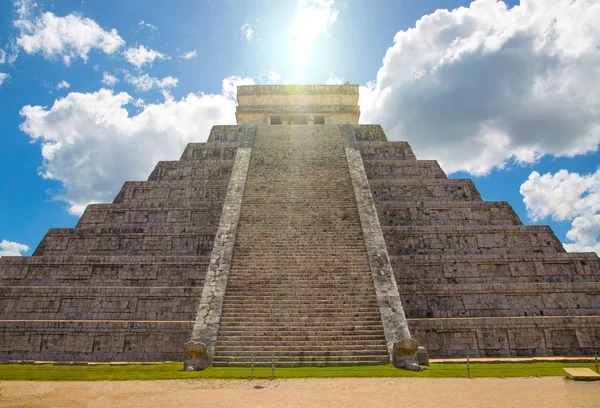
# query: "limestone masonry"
[[303, 238]]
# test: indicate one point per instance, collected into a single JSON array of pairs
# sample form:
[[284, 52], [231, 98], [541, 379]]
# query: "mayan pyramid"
[[300, 237]]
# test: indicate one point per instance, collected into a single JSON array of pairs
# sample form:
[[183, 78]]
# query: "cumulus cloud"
[[566, 196], [3, 76], [230, 84], [247, 31], [269, 77], [91, 144], [8, 248], [141, 55], [63, 85], [66, 37], [483, 86], [145, 82], [189, 55], [311, 18], [333, 80], [109, 80]]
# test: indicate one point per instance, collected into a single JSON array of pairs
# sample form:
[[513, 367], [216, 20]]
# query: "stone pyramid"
[[303, 238]]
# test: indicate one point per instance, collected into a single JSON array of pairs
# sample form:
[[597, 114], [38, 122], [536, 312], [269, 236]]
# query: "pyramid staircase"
[[300, 290]]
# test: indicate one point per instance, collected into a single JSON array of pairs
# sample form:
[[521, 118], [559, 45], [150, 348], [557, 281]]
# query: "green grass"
[[167, 371]]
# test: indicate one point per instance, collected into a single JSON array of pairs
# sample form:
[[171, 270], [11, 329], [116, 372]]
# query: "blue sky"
[[94, 93]]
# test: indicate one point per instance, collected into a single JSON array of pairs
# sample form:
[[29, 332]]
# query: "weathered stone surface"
[[195, 356], [390, 305], [124, 284], [422, 356], [208, 315], [405, 354]]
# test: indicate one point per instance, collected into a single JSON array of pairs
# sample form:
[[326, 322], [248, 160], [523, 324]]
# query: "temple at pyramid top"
[[297, 104]]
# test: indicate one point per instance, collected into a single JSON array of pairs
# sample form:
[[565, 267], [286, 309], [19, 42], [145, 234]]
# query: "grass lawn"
[[166, 371]]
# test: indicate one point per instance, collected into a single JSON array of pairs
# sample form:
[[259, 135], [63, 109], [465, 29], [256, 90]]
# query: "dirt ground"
[[343, 392]]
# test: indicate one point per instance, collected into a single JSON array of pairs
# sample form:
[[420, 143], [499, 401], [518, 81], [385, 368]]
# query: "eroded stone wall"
[[473, 280], [125, 283]]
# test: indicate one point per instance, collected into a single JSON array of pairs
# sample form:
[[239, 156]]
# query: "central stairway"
[[300, 290]]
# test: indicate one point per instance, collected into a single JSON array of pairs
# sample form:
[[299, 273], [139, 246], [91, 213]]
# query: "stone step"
[[320, 359], [469, 239], [210, 151], [305, 352], [384, 169], [374, 134], [90, 270], [229, 320], [383, 150], [300, 363], [98, 303], [224, 134], [89, 340], [315, 322], [496, 268], [508, 336], [467, 213], [501, 300], [154, 192], [192, 170], [244, 310], [302, 331], [261, 341], [291, 300], [190, 241], [424, 189], [103, 217]]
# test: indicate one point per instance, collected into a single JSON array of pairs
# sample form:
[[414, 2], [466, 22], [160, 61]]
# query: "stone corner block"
[[195, 356], [405, 355], [422, 356]]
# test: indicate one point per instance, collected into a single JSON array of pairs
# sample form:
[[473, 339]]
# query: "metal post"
[[252, 369], [273, 367], [468, 367]]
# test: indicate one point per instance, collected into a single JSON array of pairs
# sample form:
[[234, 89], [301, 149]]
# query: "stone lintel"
[[206, 326], [298, 89], [394, 321]]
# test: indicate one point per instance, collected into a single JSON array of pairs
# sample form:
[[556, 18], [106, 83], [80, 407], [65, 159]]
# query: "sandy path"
[[346, 392]]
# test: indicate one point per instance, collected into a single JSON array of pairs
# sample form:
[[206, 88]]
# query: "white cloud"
[[189, 55], [274, 77], [333, 80], [565, 196], [269, 77], [3, 76], [145, 82], [247, 31], [479, 87], [8, 248], [67, 37], [63, 85], [109, 80], [143, 24], [311, 18], [230, 84], [92, 145], [2, 56], [142, 55]]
